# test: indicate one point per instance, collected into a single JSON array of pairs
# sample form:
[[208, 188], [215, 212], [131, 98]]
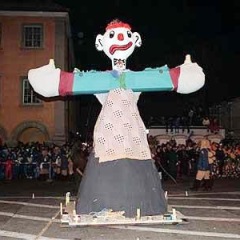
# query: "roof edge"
[[33, 14]]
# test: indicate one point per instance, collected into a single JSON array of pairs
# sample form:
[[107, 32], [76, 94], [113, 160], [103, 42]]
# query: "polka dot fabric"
[[119, 131]]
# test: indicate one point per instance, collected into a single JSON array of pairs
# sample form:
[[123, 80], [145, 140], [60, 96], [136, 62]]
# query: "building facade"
[[29, 37], [229, 116]]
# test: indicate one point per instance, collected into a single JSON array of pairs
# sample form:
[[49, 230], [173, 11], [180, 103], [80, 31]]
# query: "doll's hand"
[[191, 77], [45, 79]]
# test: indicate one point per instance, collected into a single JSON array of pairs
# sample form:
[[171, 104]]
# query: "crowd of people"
[[180, 124], [52, 162], [184, 122], [43, 161], [179, 161]]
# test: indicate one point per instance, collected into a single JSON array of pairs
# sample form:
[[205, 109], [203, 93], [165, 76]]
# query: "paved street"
[[29, 209]]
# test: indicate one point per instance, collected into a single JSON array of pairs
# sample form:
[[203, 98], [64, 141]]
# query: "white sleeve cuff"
[[45, 81], [191, 78]]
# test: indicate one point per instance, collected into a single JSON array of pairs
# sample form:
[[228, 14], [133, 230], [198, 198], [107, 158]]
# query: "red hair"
[[117, 24]]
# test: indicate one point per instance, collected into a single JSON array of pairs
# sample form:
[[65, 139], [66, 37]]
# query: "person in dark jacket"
[[79, 160], [172, 159], [203, 167], [220, 158]]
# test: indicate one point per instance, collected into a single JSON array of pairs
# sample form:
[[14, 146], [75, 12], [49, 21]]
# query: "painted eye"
[[129, 34], [111, 34]]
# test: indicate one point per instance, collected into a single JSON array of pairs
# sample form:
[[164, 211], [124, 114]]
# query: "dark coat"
[[203, 164]]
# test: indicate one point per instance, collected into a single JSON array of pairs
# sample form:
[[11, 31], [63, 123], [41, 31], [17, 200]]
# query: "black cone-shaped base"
[[121, 185]]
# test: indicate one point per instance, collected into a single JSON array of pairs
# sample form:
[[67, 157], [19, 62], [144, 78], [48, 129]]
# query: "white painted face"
[[118, 43]]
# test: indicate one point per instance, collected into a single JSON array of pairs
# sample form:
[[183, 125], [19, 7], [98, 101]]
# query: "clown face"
[[118, 44]]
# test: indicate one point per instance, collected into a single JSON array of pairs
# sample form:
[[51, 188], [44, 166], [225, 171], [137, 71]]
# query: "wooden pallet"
[[69, 218]]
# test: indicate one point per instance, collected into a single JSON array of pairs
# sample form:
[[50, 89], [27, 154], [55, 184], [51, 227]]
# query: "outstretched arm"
[[186, 78], [50, 81]]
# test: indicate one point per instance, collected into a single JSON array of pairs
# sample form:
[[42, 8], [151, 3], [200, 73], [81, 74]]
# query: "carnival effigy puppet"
[[120, 174]]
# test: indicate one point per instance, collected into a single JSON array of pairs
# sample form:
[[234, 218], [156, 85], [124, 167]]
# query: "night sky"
[[209, 30]]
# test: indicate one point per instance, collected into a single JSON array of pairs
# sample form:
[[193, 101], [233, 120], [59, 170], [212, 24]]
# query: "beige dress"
[[119, 131]]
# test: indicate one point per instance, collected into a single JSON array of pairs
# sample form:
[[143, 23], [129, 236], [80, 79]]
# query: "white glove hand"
[[45, 79], [191, 77]]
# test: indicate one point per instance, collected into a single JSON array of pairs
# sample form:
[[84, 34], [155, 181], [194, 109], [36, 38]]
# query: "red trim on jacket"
[[65, 83], [174, 73]]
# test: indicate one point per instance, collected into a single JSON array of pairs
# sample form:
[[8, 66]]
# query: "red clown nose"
[[120, 37]]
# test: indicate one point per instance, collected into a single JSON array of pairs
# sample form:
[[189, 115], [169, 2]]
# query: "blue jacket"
[[203, 160]]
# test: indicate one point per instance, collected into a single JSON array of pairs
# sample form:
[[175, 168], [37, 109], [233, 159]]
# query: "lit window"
[[29, 97], [33, 36]]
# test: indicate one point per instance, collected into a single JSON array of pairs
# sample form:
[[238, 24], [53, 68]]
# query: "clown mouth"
[[115, 48]]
